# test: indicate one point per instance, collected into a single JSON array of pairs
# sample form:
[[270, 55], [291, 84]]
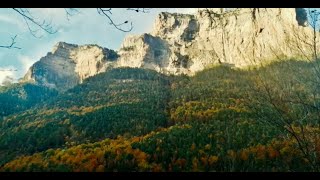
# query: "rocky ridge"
[[186, 44]]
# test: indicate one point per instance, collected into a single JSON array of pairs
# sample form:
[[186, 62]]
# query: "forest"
[[130, 119]]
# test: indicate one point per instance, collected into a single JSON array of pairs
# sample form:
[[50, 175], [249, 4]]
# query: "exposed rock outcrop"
[[68, 65], [185, 44], [238, 37]]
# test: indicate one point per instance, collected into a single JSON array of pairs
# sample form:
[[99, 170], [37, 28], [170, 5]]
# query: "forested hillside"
[[19, 97], [221, 119]]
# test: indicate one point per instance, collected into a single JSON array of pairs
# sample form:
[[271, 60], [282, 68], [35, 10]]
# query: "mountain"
[[219, 90], [185, 44], [68, 65], [118, 102]]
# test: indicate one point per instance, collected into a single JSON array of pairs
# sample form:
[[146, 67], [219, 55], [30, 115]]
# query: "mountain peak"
[[63, 46], [69, 64]]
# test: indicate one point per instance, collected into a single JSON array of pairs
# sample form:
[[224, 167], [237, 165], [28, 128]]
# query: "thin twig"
[[30, 20], [12, 45], [107, 13]]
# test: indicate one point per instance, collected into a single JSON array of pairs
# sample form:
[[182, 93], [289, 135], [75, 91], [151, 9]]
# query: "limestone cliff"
[[69, 64], [185, 44]]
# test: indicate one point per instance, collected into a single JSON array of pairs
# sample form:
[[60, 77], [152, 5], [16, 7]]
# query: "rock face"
[[68, 65], [186, 44]]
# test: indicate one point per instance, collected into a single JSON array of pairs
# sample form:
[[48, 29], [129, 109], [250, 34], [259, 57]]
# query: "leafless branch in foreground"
[[143, 10], [12, 44], [107, 12], [32, 22], [126, 26], [34, 25]]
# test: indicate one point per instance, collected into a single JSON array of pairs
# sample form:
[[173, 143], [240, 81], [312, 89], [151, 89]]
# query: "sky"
[[85, 27]]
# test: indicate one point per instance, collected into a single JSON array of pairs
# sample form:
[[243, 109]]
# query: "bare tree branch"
[[30, 20], [314, 18], [34, 25], [143, 10], [12, 45], [126, 26], [107, 13]]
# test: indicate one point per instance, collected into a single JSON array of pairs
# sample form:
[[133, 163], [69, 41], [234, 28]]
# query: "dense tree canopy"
[[138, 120]]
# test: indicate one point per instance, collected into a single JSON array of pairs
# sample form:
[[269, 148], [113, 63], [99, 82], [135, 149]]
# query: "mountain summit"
[[68, 65]]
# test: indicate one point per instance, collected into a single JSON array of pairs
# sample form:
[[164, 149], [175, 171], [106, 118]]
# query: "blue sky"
[[86, 27]]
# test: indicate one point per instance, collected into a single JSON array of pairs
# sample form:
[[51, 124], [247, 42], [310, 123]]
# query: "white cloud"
[[4, 73]]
